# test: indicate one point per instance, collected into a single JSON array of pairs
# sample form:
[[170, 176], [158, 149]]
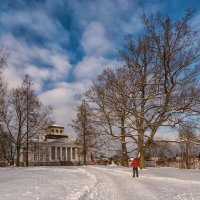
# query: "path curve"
[[113, 185]]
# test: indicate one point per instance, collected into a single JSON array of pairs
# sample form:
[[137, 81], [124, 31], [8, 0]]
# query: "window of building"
[[47, 157], [35, 147], [56, 130], [35, 157], [61, 131], [52, 130], [41, 157]]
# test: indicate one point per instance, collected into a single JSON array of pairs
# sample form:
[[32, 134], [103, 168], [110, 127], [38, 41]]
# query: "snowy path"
[[168, 184], [98, 183], [114, 185]]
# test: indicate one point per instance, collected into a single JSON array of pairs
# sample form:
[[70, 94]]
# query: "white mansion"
[[52, 147]]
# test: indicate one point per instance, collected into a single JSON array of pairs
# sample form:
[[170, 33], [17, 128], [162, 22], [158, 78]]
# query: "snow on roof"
[[55, 125]]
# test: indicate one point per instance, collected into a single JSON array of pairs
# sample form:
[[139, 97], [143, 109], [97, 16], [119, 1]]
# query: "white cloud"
[[39, 63], [90, 67], [38, 22], [62, 98], [115, 16], [94, 40], [42, 73], [12, 77]]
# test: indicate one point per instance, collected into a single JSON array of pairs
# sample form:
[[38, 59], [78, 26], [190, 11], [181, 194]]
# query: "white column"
[[66, 153], [71, 153], [61, 154], [76, 154], [70, 156]]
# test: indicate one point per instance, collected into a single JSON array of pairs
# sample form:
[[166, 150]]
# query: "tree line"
[[157, 86]]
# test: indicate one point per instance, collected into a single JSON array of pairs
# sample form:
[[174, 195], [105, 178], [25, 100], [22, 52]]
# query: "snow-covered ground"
[[98, 183]]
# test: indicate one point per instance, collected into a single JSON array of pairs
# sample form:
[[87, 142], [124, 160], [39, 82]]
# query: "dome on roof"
[[55, 125]]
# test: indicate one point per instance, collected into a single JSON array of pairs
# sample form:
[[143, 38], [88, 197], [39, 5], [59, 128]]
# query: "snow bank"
[[46, 183]]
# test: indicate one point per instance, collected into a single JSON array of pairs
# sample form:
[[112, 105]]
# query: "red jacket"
[[135, 163]]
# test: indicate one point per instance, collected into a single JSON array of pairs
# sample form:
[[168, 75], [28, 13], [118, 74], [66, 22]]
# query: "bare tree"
[[3, 62], [163, 67], [23, 116], [109, 101], [186, 135], [6, 147], [83, 126], [3, 59]]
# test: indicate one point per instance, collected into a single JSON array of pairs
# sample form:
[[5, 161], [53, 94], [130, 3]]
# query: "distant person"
[[135, 167]]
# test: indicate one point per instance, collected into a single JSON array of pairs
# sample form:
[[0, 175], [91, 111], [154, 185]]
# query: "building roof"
[[55, 126]]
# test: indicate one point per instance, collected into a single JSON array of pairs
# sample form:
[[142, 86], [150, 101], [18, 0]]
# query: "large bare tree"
[[157, 87], [163, 66]]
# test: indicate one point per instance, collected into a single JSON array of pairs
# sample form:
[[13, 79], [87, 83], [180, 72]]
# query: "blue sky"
[[63, 44]]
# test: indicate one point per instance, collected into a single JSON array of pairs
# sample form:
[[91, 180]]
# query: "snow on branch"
[[197, 142]]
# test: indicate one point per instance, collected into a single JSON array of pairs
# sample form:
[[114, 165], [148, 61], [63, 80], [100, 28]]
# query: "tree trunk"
[[18, 156], [123, 143], [141, 160], [188, 155], [124, 155], [84, 154], [141, 152], [84, 150], [141, 149]]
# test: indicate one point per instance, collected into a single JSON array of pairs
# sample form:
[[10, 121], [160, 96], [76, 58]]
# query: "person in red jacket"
[[135, 167]]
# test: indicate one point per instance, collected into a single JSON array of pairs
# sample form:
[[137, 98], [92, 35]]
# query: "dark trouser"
[[135, 171]]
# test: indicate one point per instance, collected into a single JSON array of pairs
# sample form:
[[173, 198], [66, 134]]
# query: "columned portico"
[[57, 154]]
